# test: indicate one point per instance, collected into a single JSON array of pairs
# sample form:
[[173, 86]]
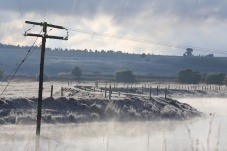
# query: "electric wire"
[[25, 58], [143, 40], [29, 29], [12, 75], [74, 4], [22, 20], [124, 37]]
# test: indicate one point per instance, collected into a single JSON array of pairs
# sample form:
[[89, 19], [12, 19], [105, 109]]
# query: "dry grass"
[[196, 143]]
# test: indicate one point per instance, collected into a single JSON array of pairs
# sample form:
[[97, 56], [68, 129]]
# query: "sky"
[[164, 27]]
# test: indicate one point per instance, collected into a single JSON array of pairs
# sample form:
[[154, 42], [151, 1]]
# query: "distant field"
[[107, 63]]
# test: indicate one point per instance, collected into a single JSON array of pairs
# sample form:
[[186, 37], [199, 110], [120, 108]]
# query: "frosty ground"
[[87, 102], [69, 121]]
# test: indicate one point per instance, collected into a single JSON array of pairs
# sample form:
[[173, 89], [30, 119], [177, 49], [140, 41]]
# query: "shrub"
[[77, 72], [143, 55], [1, 74], [215, 78], [225, 81], [125, 76], [189, 77], [45, 77]]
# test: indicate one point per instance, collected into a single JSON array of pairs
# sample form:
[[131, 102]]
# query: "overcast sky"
[[164, 23]]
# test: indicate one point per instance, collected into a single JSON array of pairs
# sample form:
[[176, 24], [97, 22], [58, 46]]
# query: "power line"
[[12, 75], [143, 40], [74, 4], [22, 20]]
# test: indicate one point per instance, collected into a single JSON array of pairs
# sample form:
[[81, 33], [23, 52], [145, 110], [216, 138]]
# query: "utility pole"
[[44, 37]]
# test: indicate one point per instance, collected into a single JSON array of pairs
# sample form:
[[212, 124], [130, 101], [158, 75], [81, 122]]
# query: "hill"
[[105, 62]]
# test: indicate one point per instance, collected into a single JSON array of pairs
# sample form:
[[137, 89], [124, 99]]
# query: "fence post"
[[150, 93], [105, 91], [157, 90], [165, 93], [61, 91], [110, 91], [51, 92]]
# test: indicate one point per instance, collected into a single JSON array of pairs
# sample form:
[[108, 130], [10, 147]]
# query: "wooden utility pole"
[[44, 37]]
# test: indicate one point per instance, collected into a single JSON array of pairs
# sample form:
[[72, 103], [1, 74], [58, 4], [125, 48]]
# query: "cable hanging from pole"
[[12, 75], [21, 14]]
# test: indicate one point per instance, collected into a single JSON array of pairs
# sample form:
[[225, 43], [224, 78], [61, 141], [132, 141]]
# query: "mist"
[[153, 135]]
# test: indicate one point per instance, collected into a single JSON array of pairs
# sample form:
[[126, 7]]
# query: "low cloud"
[[194, 23]]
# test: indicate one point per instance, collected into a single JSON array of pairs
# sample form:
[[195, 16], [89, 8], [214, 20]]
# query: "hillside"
[[106, 62]]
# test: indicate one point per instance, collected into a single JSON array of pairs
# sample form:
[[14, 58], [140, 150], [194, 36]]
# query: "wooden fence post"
[[110, 91], [157, 90], [61, 91], [150, 93], [105, 91], [51, 92], [165, 93]]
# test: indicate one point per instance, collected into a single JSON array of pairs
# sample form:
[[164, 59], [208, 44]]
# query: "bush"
[[45, 77], [215, 78], [1, 74], [225, 81], [188, 76], [125, 76], [77, 72]]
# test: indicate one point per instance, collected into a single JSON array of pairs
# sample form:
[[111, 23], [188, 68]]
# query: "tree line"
[[188, 76], [185, 76]]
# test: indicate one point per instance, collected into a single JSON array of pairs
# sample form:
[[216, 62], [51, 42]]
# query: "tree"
[[143, 55], [77, 72], [215, 78], [189, 77], [1, 74], [225, 80], [188, 52], [125, 76]]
